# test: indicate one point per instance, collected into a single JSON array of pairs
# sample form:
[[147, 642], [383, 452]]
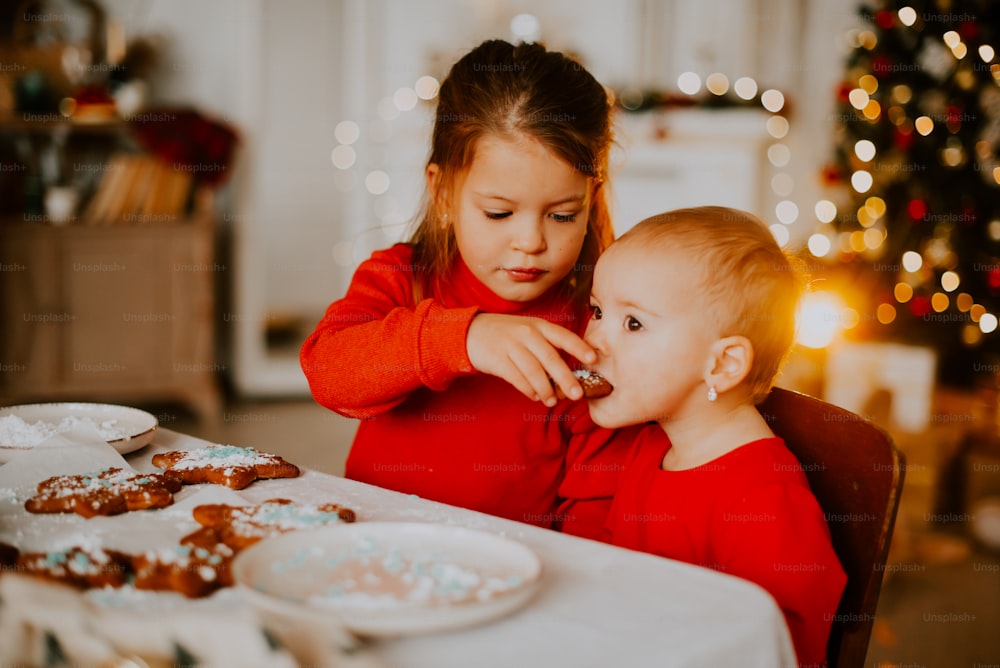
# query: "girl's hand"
[[524, 351]]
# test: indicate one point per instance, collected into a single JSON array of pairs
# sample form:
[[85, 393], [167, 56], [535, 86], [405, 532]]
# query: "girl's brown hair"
[[502, 90]]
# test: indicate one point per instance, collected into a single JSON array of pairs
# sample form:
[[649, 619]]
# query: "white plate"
[[139, 426], [387, 578]]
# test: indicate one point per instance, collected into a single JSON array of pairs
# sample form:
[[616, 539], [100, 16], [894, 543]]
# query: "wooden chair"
[[856, 474]]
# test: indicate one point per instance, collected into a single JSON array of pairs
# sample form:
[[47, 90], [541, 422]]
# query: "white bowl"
[[387, 578]]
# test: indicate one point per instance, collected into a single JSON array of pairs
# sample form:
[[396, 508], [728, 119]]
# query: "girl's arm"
[[374, 347]]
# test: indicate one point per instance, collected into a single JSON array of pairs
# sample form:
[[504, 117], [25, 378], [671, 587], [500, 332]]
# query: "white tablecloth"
[[598, 605]]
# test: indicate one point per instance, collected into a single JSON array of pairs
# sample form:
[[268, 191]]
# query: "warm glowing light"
[[745, 87], [949, 281], [526, 26], [780, 233], [717, 83], [960, 50], [876, 206], [865, 217], [861, 181], [902, 292], [427, 87], [850, 318], [857, 241], [924, 125], [819, 245], [952, 39], [971, 335], [988, 323], [907, 16], [902, 93], [786, 211], [779, 154], [976, 312], [826, 211], [858, 98], [885, 313], [939, 302], [868, 83], [819, 319], [405, 99], [874, 238], [689, 83], [867, 39], [964, 302], [912, 261], [343, 157], [377, 182], [772, 100], [347, 132], [986, 52], [996, 174], [777, 126], [993, 229], [872, 110], [865, 150], [782, 184]]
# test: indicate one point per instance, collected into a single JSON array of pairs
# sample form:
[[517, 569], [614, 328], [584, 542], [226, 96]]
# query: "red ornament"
[[917, 208], [882, 64], [920, 306], [903, 139], [885, 19], [968, 29], [993, 278], [844, 92]]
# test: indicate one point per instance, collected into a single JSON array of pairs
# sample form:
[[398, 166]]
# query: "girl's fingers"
[[566, 340]]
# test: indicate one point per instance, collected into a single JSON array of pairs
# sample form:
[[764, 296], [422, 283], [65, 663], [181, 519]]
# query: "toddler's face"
[[652, 335], [521, 217]]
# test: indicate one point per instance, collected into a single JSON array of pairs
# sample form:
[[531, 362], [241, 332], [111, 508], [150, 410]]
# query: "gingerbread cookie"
[[78, 567], [189, 570], [594, 385], [242, 526], [229, 465], [110, 491]]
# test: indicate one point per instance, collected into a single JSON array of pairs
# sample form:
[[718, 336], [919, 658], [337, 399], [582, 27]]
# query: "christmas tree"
[[917, 147]]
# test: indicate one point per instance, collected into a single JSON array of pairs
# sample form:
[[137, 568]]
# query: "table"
[[598, 605]]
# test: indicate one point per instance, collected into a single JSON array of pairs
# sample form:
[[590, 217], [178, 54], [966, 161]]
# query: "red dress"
[[749, 513], [430, 424]]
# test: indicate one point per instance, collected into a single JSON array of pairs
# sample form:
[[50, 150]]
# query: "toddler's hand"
[[524, 352]]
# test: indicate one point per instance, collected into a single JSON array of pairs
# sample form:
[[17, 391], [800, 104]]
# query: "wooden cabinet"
[[109, 313]]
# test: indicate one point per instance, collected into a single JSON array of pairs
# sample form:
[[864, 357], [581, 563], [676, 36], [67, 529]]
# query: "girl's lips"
[[525, 274]]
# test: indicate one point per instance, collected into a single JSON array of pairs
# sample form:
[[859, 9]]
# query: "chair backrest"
[[856, 474]]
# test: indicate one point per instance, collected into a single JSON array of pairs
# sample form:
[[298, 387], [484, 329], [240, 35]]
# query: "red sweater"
[[431, 425], [749, 513]]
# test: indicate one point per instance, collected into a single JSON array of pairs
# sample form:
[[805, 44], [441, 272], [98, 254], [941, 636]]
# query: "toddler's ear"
[[729, 363]]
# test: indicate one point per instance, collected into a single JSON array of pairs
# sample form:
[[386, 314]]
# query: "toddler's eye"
[[595, 312], [564, 217], [497, 215], [631, 324]]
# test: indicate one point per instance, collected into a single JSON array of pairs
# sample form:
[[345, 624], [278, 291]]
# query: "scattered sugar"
[[18, 433], [218, 456]]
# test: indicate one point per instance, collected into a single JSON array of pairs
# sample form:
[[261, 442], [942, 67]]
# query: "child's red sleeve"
[[374, 347], [777, 537]]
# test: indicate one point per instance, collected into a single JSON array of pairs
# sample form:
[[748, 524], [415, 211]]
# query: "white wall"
[[286, 72]]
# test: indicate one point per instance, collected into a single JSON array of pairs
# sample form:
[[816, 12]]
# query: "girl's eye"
[[564, 217], [497, 215], [595, 312], [631, 324]]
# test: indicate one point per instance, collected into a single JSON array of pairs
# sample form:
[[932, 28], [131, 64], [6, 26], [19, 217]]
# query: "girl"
[[444, 347]]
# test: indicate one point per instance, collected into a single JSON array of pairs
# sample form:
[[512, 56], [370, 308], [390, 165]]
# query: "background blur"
[[185, 186]]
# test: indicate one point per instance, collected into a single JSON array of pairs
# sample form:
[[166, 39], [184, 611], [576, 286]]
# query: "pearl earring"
[[712, 393]]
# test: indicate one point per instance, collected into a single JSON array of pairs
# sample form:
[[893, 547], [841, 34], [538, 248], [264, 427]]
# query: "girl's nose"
[[529, 237]]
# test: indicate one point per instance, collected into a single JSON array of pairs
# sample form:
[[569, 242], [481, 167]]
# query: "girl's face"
[[520, 216], [652, 334]]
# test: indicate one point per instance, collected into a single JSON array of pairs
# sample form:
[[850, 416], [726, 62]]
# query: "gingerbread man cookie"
[[110, 491], [193, 571], [594, 385], [78, 567], [242, 526], [229, 465]]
